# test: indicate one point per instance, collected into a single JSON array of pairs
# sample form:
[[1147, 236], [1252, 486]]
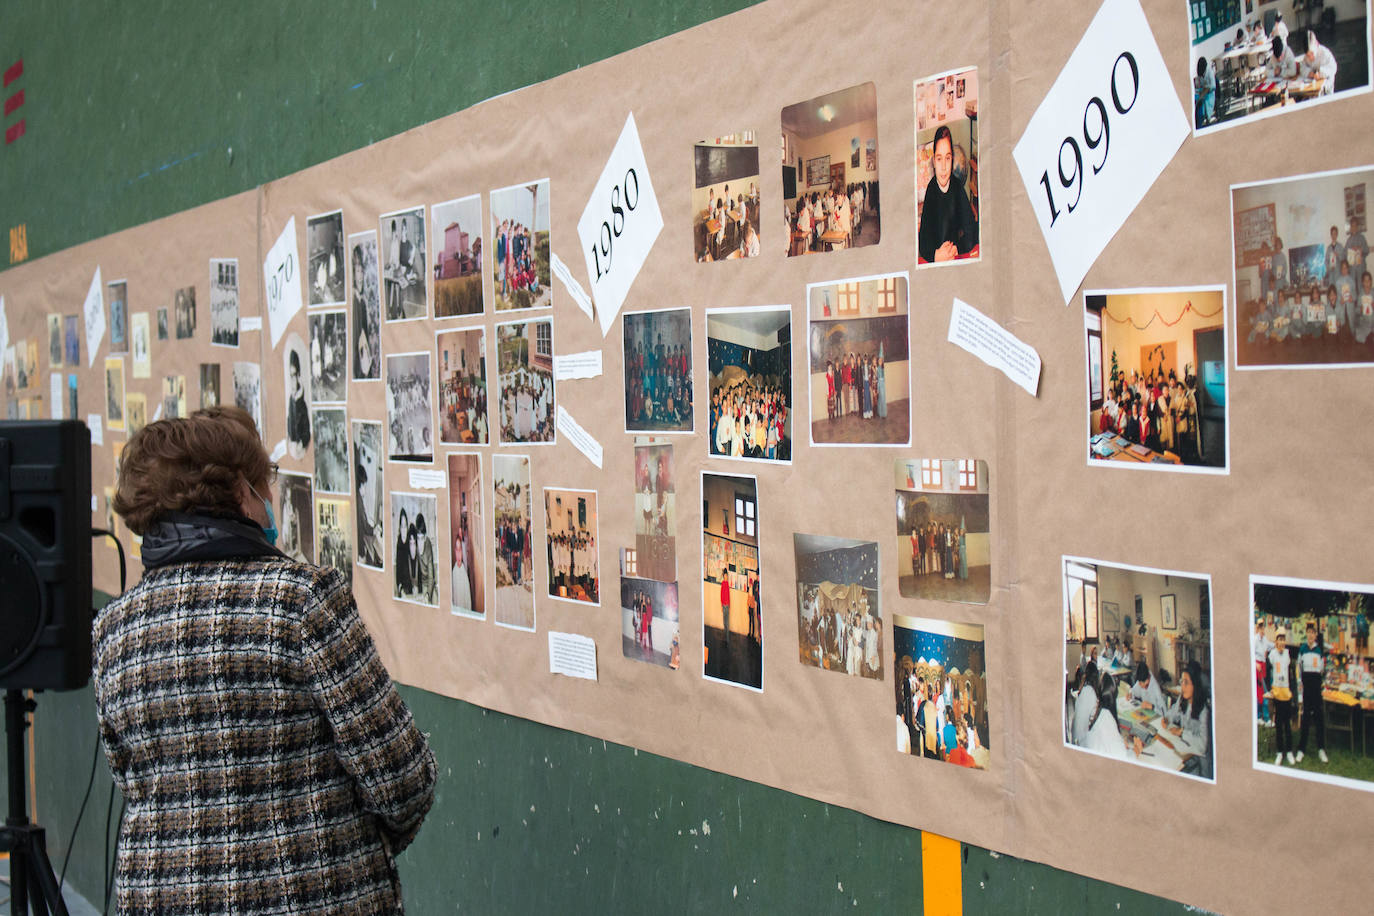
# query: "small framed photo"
[[1168, 613]]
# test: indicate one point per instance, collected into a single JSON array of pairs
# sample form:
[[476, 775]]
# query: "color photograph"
[[1283, 56], [519, 246], [649, 621], [114, 393], [296, 517], [117, 295], [749, 360], [324, 277], [525, 388], [512, 509], [725, 198], [367, 489], [658, 370], [224, 302], [1138, 665], [857, 338], [457, 230], [947, 205], [173, 397], [1157, 380], [467, 522], [831, 203], [71, 334], [1311, 304], [415, 520], [135, 412], [1311, 661], [944, 534], [409, 408], [572, 556], [367, 307], [331, 449], [839, 622], [654, 555], [941, 691], [731, 621], [403, 264], [463, 386]]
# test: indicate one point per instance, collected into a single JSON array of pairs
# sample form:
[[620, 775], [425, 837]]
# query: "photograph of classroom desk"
[[484, 692]]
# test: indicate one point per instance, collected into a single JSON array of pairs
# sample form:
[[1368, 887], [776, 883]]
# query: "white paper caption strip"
[[96, 425], [1105, 131], [578, 436], [579, 295], [427, 479], [619, 225], [278, 451], [577, 365], [572, 654], [250, 324], [975, 332]]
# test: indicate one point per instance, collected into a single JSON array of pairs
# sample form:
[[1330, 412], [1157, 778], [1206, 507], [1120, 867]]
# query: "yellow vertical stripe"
[[942, 878]]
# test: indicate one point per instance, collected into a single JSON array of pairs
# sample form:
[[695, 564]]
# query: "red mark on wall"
[[14, 102], [14, 131], [15, 71]]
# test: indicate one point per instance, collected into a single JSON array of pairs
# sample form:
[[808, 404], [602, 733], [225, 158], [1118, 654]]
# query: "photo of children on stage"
[[749, 356], [658, 371], [458, 257], [654, 555], [1138, 665], [941, 691], [512, 512], [725, 198], [519, 246], [947, 204], [1157, 380], [839, 623], [525, 388], [731, 623], [462, 386], [649, 621], [1310, 654], [1304, 294], [944, 538], [830, 171], [571, 554], [857, 340]]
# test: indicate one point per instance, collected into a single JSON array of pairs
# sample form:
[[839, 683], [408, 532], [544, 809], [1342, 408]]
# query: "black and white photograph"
[[368, 489], [367, 307], [658, 370], [173, 397], [296, 519], [248, 391], [334, 535], [409, 408], [117, 294], [224, 302], [457, 231], [331, 449], [1274, 57], [328, 357], [297, 395], [525, 388], [140, 345], [749, 362], [114, 392], [71, 338], [324, 238], [209, 385], [403, 265], [520, 246], [162, 324], [184, 309], [54, 341], [414, 518]]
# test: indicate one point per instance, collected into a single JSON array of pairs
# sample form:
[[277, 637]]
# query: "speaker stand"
[[32, 881]]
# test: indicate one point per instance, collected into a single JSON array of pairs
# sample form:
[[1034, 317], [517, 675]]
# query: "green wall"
[[141, 109]]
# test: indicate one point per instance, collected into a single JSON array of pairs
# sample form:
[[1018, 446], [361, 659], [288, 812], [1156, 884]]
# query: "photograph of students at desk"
[[1255, 68], [1310, 652], [1122, 698], [1311, 303]]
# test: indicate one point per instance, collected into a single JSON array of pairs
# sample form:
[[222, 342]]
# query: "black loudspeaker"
[[45, 554]]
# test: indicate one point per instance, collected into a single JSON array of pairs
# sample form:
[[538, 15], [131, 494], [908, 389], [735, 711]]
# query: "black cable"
[[119, 825], [123, 574], [105, 875], [71, 842]]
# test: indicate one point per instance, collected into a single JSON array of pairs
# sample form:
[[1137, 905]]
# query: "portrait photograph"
[[947, 204], [519, 246], [749, 365], [402, 252], [658, 370], [725, 198], [298, 396], [457, 232], [831, 204], [367, 307], [367, 490], [857, 339], [295, 517]]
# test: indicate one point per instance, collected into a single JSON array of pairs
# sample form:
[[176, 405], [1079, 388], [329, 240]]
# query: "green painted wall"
[[141, 109]]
